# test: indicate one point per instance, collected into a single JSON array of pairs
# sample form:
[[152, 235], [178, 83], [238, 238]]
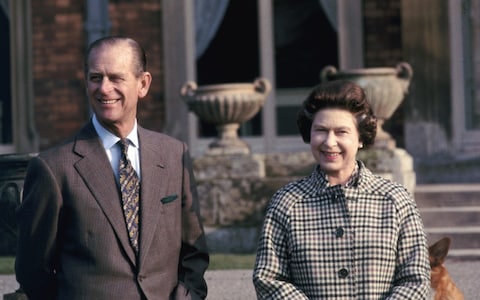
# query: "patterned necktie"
[[130, 188]]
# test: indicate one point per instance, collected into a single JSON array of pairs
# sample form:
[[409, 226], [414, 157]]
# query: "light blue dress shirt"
[[112, 149]]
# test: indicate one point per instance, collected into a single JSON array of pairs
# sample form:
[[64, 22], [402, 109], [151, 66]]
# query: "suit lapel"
[[153, 185], [97, 174]]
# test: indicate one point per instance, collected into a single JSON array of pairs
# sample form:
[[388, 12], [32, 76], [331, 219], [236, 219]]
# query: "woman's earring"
[[361, 146]]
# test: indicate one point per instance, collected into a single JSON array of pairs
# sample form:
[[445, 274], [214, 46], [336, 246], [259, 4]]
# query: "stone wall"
[[234, 191]]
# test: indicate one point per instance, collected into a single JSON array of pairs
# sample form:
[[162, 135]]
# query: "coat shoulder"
[[158, 138]]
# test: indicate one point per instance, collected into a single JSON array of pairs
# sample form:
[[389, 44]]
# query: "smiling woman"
[[312, 224]]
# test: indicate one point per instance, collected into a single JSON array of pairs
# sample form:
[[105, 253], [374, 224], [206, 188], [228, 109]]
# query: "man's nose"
[[105, 85]]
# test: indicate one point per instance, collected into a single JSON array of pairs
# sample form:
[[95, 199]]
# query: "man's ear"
[[145, 81]]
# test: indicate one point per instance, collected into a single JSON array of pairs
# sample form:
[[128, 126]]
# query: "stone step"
[[465, 240], [450, 216], [447, 195], [452, 210], [470, 254]]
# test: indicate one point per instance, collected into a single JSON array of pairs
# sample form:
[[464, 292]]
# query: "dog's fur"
[[441, 282]]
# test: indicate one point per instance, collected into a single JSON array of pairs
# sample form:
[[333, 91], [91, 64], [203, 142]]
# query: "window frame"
[[465, 141], [180, 67]]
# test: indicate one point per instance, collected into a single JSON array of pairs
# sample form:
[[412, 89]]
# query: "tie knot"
[[123, 146]]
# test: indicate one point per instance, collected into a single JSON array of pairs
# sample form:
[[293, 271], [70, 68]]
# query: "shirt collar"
[[109, 139]]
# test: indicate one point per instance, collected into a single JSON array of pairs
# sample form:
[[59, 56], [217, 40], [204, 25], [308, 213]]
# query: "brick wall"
[[142, 20], [383, 32], [59, 42], [383, 48]]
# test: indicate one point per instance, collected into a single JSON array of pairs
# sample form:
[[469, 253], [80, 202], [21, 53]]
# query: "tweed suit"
[[73, 238]]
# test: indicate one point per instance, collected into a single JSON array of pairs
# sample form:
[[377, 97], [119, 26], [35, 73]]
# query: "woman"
[[342, 232]]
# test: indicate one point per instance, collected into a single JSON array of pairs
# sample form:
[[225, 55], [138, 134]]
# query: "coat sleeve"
[[271, 275], [194, 256], [412, 277], [37, 219]]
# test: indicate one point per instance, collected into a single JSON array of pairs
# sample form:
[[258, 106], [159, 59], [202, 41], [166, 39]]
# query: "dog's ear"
[[439, 251]]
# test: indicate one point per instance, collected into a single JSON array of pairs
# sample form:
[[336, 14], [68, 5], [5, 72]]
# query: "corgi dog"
[[441, 282]]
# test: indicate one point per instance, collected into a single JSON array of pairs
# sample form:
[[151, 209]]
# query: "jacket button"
[[339, 232], [343, 273]]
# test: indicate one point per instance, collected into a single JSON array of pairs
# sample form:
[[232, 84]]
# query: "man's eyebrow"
[[116, 74]]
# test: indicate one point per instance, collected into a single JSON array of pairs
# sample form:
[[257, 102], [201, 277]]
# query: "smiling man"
[[113, 212], [342, 232]]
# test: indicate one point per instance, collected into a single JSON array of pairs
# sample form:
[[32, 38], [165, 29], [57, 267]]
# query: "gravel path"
[[237, 284]]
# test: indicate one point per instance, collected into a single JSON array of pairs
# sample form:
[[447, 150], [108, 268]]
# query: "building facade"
[[286, 41]]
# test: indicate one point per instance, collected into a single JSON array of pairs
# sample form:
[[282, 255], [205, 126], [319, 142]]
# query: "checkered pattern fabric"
[[364, 240], [130, 188]]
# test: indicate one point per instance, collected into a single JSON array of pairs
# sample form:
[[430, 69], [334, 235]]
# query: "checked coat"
[[363, 240]]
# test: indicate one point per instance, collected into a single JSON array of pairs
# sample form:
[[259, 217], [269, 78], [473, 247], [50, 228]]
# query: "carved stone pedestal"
[[395, 164], [232, 196]]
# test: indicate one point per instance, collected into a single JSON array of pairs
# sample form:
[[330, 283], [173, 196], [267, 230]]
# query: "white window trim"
[[25, 138], [466, 142]]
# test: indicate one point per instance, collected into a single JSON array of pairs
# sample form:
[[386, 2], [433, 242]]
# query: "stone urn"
[[226, 106], [385, 89]]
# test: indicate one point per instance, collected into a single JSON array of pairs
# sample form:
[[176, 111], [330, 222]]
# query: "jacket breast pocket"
[[169, 198]]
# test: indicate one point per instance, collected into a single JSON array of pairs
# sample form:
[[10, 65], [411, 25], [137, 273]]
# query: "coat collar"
[[361, 180]]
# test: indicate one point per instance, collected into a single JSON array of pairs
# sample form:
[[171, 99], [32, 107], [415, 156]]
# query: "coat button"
[[343, 273], [339, 232], [335, 198]]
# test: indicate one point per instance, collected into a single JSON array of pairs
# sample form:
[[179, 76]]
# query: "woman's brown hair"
[[339, 94]]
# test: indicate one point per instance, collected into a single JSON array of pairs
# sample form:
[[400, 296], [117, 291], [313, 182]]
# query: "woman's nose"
[[330, 139]]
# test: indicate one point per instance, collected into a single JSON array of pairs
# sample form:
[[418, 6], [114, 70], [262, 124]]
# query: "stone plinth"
[[233, 193], [394, 164]]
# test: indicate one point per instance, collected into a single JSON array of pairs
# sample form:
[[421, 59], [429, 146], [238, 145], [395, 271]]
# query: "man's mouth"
[[108, 101]]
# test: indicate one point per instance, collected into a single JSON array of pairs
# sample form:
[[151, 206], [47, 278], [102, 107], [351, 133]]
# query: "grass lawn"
[[217, 262], [231, 261], [6, 264]]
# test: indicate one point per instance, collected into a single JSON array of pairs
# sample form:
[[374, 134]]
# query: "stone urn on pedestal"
[[385, 89], [230, 179], [226, 106]]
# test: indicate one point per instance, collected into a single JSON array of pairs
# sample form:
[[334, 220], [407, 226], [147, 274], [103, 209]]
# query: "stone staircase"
[[452, 210]]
